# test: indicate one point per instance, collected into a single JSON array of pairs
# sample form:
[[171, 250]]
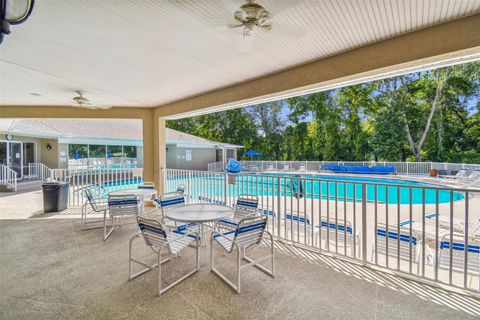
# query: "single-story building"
[[98, 143]]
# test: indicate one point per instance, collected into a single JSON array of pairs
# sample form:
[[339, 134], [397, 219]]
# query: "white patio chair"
[[162, 242], [270, 167], [146, 185], [286, 167], [249, 232], [167, 202], [120, 208], [302, 167], [458, 254], [179, 192], [246, 206], [405, 242], [98, 206]]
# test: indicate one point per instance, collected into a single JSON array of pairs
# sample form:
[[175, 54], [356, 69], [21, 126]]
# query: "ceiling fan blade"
[[234, 25]]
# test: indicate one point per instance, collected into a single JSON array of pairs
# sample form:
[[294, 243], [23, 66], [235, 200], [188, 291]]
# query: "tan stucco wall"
[[49, 157]]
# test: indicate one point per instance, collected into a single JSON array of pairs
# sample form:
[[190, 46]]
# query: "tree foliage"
[[431, 115]]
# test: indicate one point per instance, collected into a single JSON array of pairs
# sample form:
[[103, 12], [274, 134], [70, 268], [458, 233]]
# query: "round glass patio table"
[[199, 214]]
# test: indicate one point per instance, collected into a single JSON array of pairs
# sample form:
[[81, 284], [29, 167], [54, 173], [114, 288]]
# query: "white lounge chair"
[[162, 242], [340, 233], [457, 256], [249, 232], [399, 244], [463, 173]]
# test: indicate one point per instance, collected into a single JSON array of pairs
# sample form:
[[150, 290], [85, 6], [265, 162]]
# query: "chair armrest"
[[215, 233]]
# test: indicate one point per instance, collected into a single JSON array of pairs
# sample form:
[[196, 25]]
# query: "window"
[[77, 151], [130, 151], [114, 152], [96, 156], [188, 155]]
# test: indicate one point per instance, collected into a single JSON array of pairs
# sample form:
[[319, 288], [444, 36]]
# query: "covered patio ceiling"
[[150, 54]]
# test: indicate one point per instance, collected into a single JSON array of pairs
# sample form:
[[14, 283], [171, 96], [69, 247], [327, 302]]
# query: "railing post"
[[364, 224], [225, 188], [279, 203]]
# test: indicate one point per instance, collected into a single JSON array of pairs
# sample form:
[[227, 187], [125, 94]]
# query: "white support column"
[[224, 157]]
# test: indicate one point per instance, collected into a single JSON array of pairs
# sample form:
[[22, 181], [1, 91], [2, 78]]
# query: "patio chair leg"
[[238, 269]]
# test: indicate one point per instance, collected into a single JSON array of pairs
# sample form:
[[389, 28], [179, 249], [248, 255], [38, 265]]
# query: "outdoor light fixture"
[[49, 146], [13, 12]]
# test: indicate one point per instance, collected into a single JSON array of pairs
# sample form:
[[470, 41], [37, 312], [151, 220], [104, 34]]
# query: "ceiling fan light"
[[16, 11]]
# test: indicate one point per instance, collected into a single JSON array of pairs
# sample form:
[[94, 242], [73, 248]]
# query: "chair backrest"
[[123, 205], [146, 185], [153, 232], [458, 253], [250, 230], [91, 199], [246, 205], [181, 189], [396, 239], [170, 202]]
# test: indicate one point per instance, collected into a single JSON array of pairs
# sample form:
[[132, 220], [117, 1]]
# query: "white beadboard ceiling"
[[148, 53]]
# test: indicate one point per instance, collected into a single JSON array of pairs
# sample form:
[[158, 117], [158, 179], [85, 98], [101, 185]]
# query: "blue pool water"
[[348, 188], [341, 187]]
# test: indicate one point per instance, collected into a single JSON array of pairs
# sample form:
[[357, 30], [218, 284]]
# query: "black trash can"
[[55, 196]]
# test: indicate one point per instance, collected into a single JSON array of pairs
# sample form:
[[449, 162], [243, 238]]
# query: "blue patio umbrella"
[[76, 154], [252, 153]]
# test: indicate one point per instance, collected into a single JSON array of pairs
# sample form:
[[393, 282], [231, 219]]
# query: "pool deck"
[[52, 270]]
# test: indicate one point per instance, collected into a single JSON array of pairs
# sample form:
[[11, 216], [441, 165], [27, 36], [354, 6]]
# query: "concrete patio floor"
[[52, 270]]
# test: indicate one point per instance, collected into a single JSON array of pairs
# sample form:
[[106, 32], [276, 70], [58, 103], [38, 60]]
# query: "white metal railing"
[[215, 166], [8, 177], [101, 181], [351, 218], [100, 163], [409, 168], [38, 171]]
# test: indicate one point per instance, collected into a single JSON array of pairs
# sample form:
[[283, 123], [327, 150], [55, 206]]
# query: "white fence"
[[414, 230], [38, 171], [409, 168], [101, 181], [101, 163], [8, 177]]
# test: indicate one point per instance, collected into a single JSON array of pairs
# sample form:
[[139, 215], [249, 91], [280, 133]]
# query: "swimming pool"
[[345, 188]]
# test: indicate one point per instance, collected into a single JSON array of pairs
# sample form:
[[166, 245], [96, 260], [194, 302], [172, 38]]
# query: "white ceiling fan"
[[80, 101], [251, 16]]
